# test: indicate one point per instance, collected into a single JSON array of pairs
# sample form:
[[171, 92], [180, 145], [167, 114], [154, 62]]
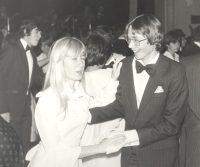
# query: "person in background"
[[120, 46], [190, 134], [172, 43], [193, 47], [101, 32], [18, 71], [95, 79], [43, 58], [62, 110], [183, 38], [151, 96]]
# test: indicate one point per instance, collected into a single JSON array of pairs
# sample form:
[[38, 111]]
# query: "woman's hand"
[[116, 68], [115, 141]]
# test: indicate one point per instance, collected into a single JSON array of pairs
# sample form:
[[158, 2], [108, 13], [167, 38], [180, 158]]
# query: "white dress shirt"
[[29, 59], [141, 79]]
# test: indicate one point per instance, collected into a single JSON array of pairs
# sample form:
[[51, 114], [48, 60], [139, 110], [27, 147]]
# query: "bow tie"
[[28, 48], [150, 68]]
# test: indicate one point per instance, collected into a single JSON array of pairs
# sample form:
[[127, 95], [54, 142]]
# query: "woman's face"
[[174, 47], [74, 67], [45, 48]]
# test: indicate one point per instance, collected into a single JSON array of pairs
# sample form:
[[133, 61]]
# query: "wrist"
[[131, 136]]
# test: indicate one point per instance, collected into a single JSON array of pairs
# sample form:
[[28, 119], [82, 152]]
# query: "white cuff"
[[132, 138]]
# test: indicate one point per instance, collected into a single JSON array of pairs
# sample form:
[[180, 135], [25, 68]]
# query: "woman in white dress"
[[62, 110], [95, 79], [172, 40]]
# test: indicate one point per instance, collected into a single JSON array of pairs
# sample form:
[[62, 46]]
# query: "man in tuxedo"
[[193, 47], [151, 96], [18, 71], [190, 134]]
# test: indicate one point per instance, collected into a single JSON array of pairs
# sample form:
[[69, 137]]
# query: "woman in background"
[[95, 79], [172, 45], [62, 110], [43, 58]]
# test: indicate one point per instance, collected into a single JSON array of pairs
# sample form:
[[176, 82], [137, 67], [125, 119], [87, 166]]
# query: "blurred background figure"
[[120, 46], [190, 134], [106, 33], [193, 47], [172, 43], [183, 40], [43, 58], [95, 79]]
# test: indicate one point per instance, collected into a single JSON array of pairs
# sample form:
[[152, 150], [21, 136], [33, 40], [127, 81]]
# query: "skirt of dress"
[[11, 154]]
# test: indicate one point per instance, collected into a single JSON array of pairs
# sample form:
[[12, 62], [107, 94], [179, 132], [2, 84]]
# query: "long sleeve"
[[109, 112], [6, 62]]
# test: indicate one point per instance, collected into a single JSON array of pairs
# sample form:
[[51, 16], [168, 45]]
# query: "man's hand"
[[6, 116]]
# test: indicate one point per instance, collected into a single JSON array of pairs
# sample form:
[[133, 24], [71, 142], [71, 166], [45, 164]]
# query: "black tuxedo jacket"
[[190, 49], [159, 117], [14, 78], [190, 135], [192, 65]]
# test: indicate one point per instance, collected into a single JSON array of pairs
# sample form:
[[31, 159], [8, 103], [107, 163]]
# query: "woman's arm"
[[43, 62], [101, 148]]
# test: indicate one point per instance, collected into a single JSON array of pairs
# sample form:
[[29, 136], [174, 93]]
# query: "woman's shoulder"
[[48, 99], [99, 74], [49, 93]]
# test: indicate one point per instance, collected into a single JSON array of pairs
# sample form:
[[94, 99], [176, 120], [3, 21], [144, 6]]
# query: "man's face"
[[142, 49], [34, 37]]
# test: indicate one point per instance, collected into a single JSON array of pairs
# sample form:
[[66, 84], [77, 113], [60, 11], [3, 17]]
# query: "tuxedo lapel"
[[130, 88], [153, 82]]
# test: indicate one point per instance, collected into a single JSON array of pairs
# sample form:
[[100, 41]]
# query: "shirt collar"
[[197, 43], [24, 43]]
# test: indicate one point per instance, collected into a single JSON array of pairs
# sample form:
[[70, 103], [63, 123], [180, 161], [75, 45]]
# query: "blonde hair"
[[55, 76]]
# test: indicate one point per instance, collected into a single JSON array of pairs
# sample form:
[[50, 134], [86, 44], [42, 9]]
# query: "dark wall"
[[146, 7], [114, 10]]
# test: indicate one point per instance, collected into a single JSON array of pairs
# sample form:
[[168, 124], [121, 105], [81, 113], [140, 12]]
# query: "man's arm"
[[6, 62], [109, 112]]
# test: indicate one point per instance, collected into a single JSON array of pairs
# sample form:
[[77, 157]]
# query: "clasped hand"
[[113, 144], [131, 139]]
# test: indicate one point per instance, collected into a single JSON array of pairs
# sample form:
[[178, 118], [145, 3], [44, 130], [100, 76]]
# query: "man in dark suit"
[[18, 71], [190, 134], [193, 47], [151, 96]]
